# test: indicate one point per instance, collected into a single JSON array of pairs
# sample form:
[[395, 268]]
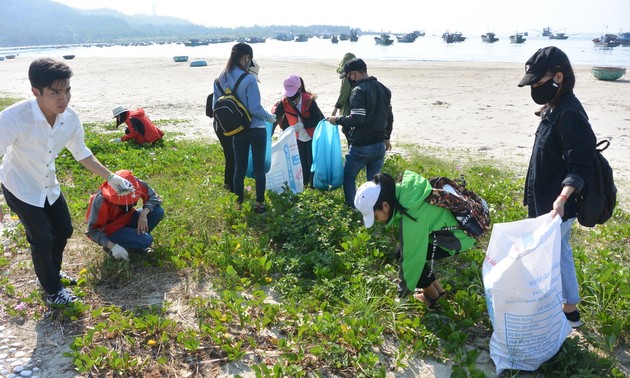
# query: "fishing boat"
[[354, 35], [68, 57], [1, 58], [255, 40], [606, 40], [406, 38], [517, 38], [384, 40], [623, 39], [301, 38], [489, 37], [196, 42], [546, 31], [10, 56], [558, 35], [344, 37], [180, 58], [334, 39], [453, 37]]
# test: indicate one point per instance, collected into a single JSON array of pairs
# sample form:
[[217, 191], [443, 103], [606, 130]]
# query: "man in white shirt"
[[32, 133]]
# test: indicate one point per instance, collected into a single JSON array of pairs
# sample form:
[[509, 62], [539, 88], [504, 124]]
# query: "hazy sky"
[[434, 16]]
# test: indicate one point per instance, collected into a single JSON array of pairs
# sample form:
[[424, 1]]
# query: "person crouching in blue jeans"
[[116, 224]]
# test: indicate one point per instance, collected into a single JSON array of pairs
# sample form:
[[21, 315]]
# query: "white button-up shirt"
[[29, 147]]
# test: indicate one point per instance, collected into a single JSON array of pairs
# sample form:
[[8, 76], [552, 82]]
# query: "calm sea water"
[[579, 48]]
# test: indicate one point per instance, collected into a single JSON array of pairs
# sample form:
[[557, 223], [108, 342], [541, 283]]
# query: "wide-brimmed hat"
[[544, 60], [119, 110], [291, 85], [356, 64], [129, 197], [365, 199]]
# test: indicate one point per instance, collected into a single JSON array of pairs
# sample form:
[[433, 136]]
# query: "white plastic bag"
[[286, 167], [521, 276]]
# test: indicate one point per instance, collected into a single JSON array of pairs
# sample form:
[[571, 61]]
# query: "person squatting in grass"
[[427, 232], [139, 128], [32, 133], [114, 222]]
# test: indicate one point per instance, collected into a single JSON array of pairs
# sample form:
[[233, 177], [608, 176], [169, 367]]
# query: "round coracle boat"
[[180, 58], [608, 73]]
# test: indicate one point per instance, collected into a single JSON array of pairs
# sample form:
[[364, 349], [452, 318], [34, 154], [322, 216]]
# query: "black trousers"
[[228, 154], [47, 231], [427, 277], [305, 150]]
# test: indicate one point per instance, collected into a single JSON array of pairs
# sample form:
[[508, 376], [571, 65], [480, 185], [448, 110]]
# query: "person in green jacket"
[[427, 232], [343, 101]]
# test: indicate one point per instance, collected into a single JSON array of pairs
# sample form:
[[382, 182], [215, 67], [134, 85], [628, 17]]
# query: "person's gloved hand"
[[119, 252], [271, 118], [120, 184], [116, 140]]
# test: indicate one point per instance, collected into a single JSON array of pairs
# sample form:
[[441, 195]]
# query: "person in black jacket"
[[562, 157], [369, 126]]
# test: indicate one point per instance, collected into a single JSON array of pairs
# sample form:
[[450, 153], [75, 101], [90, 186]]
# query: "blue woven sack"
[[327, 165]]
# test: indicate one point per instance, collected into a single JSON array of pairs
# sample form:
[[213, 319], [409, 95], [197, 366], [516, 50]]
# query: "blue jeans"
[[257, 139], [370, 157], [128, 237], [47, 229], [570, 288]]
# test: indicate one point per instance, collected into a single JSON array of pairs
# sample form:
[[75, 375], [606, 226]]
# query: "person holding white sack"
[[299, 108], [562, 157]]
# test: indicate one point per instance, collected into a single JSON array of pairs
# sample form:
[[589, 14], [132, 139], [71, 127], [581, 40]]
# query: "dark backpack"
[[469, 208], [598, 198], [209, 110], [230, 115]]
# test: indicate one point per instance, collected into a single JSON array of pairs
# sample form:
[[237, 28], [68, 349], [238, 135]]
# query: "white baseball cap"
[[365, 199]]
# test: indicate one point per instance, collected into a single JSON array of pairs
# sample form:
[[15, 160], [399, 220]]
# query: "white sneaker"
[[61, 298]]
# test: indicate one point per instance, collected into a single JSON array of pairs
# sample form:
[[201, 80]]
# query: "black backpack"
[[598, 198], [468, 207], [230, 115]]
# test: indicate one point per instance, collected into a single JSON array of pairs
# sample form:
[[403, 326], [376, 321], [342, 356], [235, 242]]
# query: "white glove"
[[120, 252], [116, 140], [121, 185], [271, 118]]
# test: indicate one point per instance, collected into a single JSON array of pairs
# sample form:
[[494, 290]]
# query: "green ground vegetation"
[[302, 290]]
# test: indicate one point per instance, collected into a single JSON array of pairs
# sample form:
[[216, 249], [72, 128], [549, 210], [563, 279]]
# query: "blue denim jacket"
[[247, 92]]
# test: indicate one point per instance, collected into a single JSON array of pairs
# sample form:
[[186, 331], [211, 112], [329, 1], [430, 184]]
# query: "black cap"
[[544, 60], [356, 64]]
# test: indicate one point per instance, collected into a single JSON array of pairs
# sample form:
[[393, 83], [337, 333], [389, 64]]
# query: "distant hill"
[[44, 22]]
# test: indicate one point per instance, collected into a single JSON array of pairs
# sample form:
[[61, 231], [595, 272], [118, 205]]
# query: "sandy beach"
[[474, 107]]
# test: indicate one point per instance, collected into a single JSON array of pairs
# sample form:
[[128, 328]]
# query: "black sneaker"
[[259, 209], [61, 298], [66, 280], [574, 319]]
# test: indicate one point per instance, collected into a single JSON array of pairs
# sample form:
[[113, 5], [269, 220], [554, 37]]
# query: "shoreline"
[[459, 106]]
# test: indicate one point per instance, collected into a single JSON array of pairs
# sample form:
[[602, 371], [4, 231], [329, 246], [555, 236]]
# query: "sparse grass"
[[302, 290]]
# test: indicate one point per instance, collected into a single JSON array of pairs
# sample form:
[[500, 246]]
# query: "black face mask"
[[353, 83], [545, 93]]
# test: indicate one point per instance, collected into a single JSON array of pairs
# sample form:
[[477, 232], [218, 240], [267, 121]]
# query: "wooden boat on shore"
[[608, 73], [180, 58], [383, 40], [198, 63], [68, 57], [10, 56], [489, 37]]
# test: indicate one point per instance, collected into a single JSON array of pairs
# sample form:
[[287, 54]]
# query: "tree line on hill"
[[45, 22]]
